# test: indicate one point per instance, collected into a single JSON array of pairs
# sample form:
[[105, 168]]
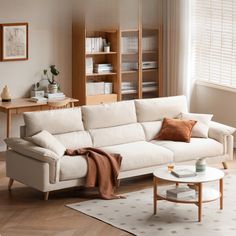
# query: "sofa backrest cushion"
[[151, 129], [109, 115], [158, 108], [75, 140], [117, 135], [54, 121]]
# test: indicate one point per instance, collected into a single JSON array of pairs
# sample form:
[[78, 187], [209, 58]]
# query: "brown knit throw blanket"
[[103, 170]]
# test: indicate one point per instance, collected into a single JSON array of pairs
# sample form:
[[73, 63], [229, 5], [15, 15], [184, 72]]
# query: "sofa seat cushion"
[[72, 167], [197, 148], [140, 155]]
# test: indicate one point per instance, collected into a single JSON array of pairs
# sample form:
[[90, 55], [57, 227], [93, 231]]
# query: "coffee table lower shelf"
[[208, 195], [203, 195]]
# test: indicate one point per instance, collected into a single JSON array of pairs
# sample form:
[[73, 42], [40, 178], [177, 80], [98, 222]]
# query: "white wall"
[[49, 43]]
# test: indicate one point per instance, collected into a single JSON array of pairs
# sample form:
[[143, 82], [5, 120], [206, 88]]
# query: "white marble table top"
[[211, 174]]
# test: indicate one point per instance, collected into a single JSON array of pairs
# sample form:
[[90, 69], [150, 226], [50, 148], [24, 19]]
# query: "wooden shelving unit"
[[145, 82], [80, 55], [129, 49]]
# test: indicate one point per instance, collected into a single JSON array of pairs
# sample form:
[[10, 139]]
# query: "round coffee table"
[[203, 195]]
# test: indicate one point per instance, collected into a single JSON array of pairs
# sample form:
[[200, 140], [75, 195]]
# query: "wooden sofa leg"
[[45, 196], [225, 165], [10, 183]]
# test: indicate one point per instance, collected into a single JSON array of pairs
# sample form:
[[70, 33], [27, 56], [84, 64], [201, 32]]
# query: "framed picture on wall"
[[14, 41]]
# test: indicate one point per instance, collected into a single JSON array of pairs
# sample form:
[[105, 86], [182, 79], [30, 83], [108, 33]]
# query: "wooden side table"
[[20, 105], [203, 195]]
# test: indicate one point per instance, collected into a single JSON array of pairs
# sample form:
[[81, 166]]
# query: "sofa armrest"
[[219, 131], [30, 150]]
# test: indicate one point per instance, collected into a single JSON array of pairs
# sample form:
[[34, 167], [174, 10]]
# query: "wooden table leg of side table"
[[8, 123], [199, 202], [221, 193], [155, 195]]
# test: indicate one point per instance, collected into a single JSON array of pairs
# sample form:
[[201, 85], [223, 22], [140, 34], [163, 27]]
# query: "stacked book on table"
[[48, 97], [53, 96], [103, 68], [183, 173], [38, 99], [181, 192]]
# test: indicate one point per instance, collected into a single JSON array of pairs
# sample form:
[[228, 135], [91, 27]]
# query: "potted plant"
[[53, 85]]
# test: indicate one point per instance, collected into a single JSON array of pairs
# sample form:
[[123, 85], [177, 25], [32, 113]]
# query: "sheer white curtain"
[[178, 47]]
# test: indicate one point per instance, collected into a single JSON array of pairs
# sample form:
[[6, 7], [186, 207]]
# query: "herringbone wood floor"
[[23, 212]]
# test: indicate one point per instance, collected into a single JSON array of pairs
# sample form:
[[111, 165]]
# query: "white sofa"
[[125, 127]]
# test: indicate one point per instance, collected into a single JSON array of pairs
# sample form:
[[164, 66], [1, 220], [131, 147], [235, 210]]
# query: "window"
[[214, 41]]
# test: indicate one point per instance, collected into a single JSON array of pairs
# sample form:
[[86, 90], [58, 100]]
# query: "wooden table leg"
[[8, 123], [199, 202], [155, 194], [221, 193]]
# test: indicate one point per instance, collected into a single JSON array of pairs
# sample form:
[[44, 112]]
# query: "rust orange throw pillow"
[[176, 130]]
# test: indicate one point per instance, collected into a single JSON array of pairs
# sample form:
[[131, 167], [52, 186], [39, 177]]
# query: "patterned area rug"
[[135, 214]]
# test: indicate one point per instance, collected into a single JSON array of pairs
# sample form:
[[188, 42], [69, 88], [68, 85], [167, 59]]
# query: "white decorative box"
[[107, 88], [94, 88], [37, 93]]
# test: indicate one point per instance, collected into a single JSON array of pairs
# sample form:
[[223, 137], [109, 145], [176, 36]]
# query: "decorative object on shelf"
[[36, 91], [53, 86], [201, 165], [43, 83], [106, 47], [5, 95], [14, 41]]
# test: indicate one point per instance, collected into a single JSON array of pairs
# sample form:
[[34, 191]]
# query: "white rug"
[[135, 214]]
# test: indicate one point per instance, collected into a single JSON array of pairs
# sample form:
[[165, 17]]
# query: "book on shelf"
[[128, 66], [102, 68], [147, 65], [149, 86], [181, 192], [94, 44], [58, 95], [129, 44], [38, 99], [89, 65], [149, 43], [183, 173], [128, 87]]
